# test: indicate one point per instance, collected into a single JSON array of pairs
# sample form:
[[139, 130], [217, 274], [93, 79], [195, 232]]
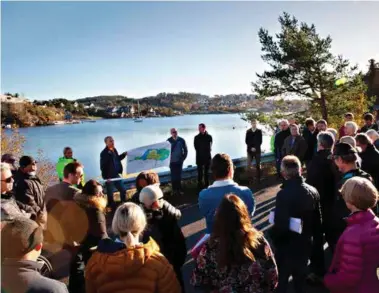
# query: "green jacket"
[[62, 162], [272, 142]]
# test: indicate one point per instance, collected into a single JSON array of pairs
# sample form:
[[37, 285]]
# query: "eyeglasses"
[[8, 180]]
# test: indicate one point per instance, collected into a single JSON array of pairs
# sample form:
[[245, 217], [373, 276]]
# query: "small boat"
[[139, 117], [8, 126], [59, 122]]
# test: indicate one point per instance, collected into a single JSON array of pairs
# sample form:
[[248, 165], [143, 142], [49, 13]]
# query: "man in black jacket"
[[369, 156], [21, 241], [322, 174], [346, 158], [162, 226], [203, 146], [297, 200], [310, 135], [369, 123], [111, 168], [279, 142], [253, 142], [28, 188]]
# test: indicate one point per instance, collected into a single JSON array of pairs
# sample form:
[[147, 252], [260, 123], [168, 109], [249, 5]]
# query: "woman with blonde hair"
[[125, 265], [354, 267], [237, 258]]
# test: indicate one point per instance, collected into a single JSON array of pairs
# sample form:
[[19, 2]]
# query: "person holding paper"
[[111, 167], [296, 201]]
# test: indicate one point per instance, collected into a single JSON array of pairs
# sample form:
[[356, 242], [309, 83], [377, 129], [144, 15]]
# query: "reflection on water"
[[87, 139]]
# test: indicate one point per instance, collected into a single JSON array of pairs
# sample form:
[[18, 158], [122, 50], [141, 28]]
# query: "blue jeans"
[[176, 175], [110, 186]]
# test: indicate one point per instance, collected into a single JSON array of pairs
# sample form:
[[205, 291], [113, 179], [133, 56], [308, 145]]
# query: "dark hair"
[[151, 177], [66, 149], [202, 125], [91, 188], [70, 168], [322, 121], [19, 237], [363, 138], [236, 236], [106, 138], [349, 115], [309, 122], [221, 165], [368, 117], [326, 139]]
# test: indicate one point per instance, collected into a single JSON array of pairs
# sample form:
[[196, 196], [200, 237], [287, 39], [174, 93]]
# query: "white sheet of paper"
[[295, 223], [148, 157]]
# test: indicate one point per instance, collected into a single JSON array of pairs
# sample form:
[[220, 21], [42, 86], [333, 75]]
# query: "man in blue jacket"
[[209, 199], [179, 153], [111, 167]]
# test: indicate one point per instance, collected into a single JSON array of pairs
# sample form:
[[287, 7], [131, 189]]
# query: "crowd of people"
[[329, 194]]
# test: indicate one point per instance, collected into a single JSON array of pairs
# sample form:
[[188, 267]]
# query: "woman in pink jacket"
[[355, 265]]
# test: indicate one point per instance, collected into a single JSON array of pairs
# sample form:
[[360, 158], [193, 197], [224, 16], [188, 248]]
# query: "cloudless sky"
[[80, 49]]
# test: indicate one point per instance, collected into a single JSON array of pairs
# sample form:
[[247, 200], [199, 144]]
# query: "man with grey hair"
[[323, 175], [295, 144], [297, 200], [351, 128], [279, 141], [374, 135]]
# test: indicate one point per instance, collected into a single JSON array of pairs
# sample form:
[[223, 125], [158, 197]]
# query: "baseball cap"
[[343, 149], [26, 161], [20, 236], [150, 194]]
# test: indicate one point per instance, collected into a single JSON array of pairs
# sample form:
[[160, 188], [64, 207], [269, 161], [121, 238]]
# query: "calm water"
[[87, 139]]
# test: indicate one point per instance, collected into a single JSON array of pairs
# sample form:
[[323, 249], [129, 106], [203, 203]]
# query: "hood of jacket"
[[19, 175], [129, 260], [87, 202]]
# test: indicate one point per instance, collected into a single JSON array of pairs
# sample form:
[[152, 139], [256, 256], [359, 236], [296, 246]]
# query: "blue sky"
[[80, 49]]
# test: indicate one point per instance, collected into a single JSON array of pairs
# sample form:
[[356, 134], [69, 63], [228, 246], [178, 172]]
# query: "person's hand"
[[125, 153], [253, 149]]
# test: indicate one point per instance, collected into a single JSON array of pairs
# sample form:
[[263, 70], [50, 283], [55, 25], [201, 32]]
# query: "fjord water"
[[87, 139]]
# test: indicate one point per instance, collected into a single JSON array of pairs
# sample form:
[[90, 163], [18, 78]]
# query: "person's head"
[[333, 132], [28, 165], [93, 188], [325, 140], [6, 178], [351, 128], [151, 197], [67, 152], [146, 178], [21, 238], [283, 124], [345, 157], [128, 223], [202, 128], [349, 117], [253, 124], [373, 134], [369, 118], [222, 167], [322, 125], [349, 140], [236, 236], [174, 133], [359, 194], [290, 167], [9, 159], [310, 124], [294, 130], [109, 142], [73, 173], [363, 141]]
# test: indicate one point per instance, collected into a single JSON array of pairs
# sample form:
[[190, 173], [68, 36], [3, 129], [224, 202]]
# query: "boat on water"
[[139, 117]]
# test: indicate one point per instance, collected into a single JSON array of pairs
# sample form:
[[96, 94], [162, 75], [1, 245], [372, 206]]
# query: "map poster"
[[148, 157]]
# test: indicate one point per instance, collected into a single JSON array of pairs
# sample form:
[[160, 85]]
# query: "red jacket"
[[355, 265], [341, 132]]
